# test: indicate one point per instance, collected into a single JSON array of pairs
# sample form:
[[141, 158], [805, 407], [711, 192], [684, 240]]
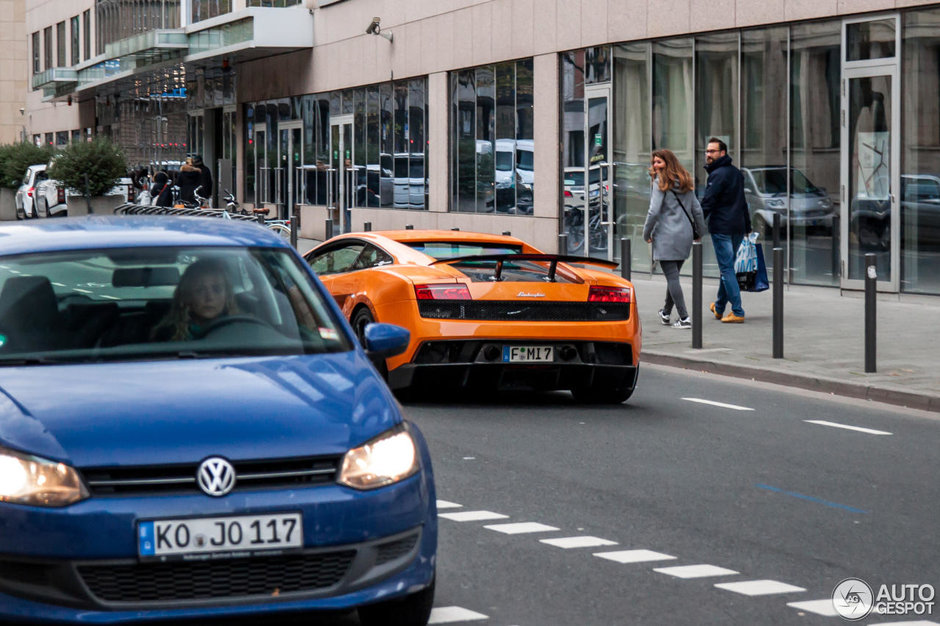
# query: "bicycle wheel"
[[281, 229]]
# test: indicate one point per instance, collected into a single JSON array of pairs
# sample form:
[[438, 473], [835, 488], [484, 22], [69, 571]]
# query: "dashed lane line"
[[519, 528], [759, 587], [472, 516], [859, 429], [451, 614], [578, 542], [722, 405], [634, 556], [695, 571], [444, 504], [819, 607]]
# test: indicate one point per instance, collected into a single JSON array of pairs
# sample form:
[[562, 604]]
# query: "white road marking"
[[758, 587], [921, 622], [472, 516], [634, 556], [519, 528], [469, 458], [578, 542], [449, 614], [819, 607], [695, 571], [870, 431], [444, 504], [719, 404]]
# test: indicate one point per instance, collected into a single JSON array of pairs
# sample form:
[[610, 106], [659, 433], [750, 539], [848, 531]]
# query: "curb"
[[923, 402]]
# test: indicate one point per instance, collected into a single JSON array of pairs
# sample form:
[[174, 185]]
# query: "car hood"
[[182, 411]]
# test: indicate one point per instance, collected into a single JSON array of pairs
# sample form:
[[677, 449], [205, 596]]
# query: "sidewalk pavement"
[[823, 340]]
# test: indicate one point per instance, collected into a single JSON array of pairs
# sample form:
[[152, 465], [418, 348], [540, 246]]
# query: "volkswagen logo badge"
[[216, 476]]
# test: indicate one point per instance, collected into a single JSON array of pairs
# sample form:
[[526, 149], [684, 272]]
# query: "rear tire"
[[412, 610], [595, 394]]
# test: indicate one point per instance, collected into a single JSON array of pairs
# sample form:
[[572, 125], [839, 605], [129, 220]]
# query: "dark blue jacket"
[[724, 205]]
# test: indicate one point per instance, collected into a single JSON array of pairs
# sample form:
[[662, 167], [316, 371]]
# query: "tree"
[[15, 158], [89, 168]]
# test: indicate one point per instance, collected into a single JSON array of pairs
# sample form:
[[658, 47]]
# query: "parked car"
[[514, 175], [487, 311], [598, 186], [409, 183], [161, 467], [808, 206], [51, 196], [870, 218], [25, 195]]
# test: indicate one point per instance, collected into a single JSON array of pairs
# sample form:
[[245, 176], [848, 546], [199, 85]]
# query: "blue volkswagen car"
[[189, 428]]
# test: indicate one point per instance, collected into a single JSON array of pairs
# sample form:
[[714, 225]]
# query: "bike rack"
[[146, 209]]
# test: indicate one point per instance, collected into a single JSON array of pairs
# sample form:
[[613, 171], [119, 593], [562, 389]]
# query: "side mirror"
[[385, 340]]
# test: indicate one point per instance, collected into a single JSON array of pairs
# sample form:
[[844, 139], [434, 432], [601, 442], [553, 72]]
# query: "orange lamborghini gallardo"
[[488, 311]]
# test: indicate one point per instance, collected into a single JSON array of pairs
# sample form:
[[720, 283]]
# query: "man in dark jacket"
[[728, 220], [206, 181]]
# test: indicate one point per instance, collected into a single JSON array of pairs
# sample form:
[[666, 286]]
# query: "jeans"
[[673, 288], [726, 246]]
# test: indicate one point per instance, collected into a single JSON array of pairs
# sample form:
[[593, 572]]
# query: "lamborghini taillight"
[[442, 291], [610, 294]]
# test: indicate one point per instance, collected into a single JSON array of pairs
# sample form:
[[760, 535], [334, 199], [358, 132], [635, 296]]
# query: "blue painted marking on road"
[[811, 498]]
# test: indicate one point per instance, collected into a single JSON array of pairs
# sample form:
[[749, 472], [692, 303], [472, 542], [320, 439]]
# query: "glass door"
[[588, 208], [870, 219], [289, 160], [341, 183], [262, 168]]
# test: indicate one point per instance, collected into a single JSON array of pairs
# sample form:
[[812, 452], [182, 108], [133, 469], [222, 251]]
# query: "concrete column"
[[547, 151], [439, 139]]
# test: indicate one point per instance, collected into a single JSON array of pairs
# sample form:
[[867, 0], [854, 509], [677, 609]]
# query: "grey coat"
[[668, 226]]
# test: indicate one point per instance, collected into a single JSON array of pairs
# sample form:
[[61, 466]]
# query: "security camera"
[[22, 110], [374, 28]]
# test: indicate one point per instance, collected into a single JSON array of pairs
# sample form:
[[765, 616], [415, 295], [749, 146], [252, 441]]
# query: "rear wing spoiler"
[[552, 259]]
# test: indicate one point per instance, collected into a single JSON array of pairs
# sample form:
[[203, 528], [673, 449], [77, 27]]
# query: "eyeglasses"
[[711, 151]]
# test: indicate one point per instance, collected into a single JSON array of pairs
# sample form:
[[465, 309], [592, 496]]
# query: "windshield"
[[452, 249], [772, 182], [167, 302]]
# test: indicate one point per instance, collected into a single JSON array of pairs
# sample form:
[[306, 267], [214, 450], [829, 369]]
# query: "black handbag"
[[695, 233]]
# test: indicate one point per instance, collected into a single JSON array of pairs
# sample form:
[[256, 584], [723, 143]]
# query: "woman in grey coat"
[[673, 208]]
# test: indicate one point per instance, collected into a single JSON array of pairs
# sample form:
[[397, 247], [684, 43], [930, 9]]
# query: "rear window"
[[452, 249]]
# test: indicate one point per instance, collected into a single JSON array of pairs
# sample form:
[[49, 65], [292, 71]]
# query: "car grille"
[[214, 580], [513, 310], [181, 478]]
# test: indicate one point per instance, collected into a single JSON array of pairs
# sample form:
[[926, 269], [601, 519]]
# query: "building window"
[[60, 44], [37, 61], [86, 29], [205, 9], [75, 34], [272, 3], [47, 47], [492, 145]]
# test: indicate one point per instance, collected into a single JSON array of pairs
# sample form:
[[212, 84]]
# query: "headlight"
[[31, 480], [387, 459]]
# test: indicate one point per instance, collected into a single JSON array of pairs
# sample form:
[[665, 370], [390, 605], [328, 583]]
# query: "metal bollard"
[[697, 294], [625, 258], [261, 218], [778, 302], [294, 229], [507, 233], [871, 291], [455, 228], [409, 226], [563, 243], [367, 226], [328, 229], [776, 230], [836, 260]]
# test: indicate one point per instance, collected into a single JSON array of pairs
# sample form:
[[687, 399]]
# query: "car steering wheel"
[[228, 320]]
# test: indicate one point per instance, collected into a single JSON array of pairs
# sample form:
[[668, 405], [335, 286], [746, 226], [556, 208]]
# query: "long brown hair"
[[176, 323], [673, 173]]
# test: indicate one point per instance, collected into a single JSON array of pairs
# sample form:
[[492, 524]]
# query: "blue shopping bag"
[[760, 277]]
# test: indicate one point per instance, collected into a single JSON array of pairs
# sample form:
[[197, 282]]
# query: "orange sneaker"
[[731, 318], [711, 307]]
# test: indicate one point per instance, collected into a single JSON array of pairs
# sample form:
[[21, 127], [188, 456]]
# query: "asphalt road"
[[762, 492], [572, 509]]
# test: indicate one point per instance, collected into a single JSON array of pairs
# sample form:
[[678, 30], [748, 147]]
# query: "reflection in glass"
[[486, 145], [815, 70], [465, 128], [631, 149], [672, 108], [874, 39], [574, 160], [716, 98], [386, 145], [920, 155], [418, 159]]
